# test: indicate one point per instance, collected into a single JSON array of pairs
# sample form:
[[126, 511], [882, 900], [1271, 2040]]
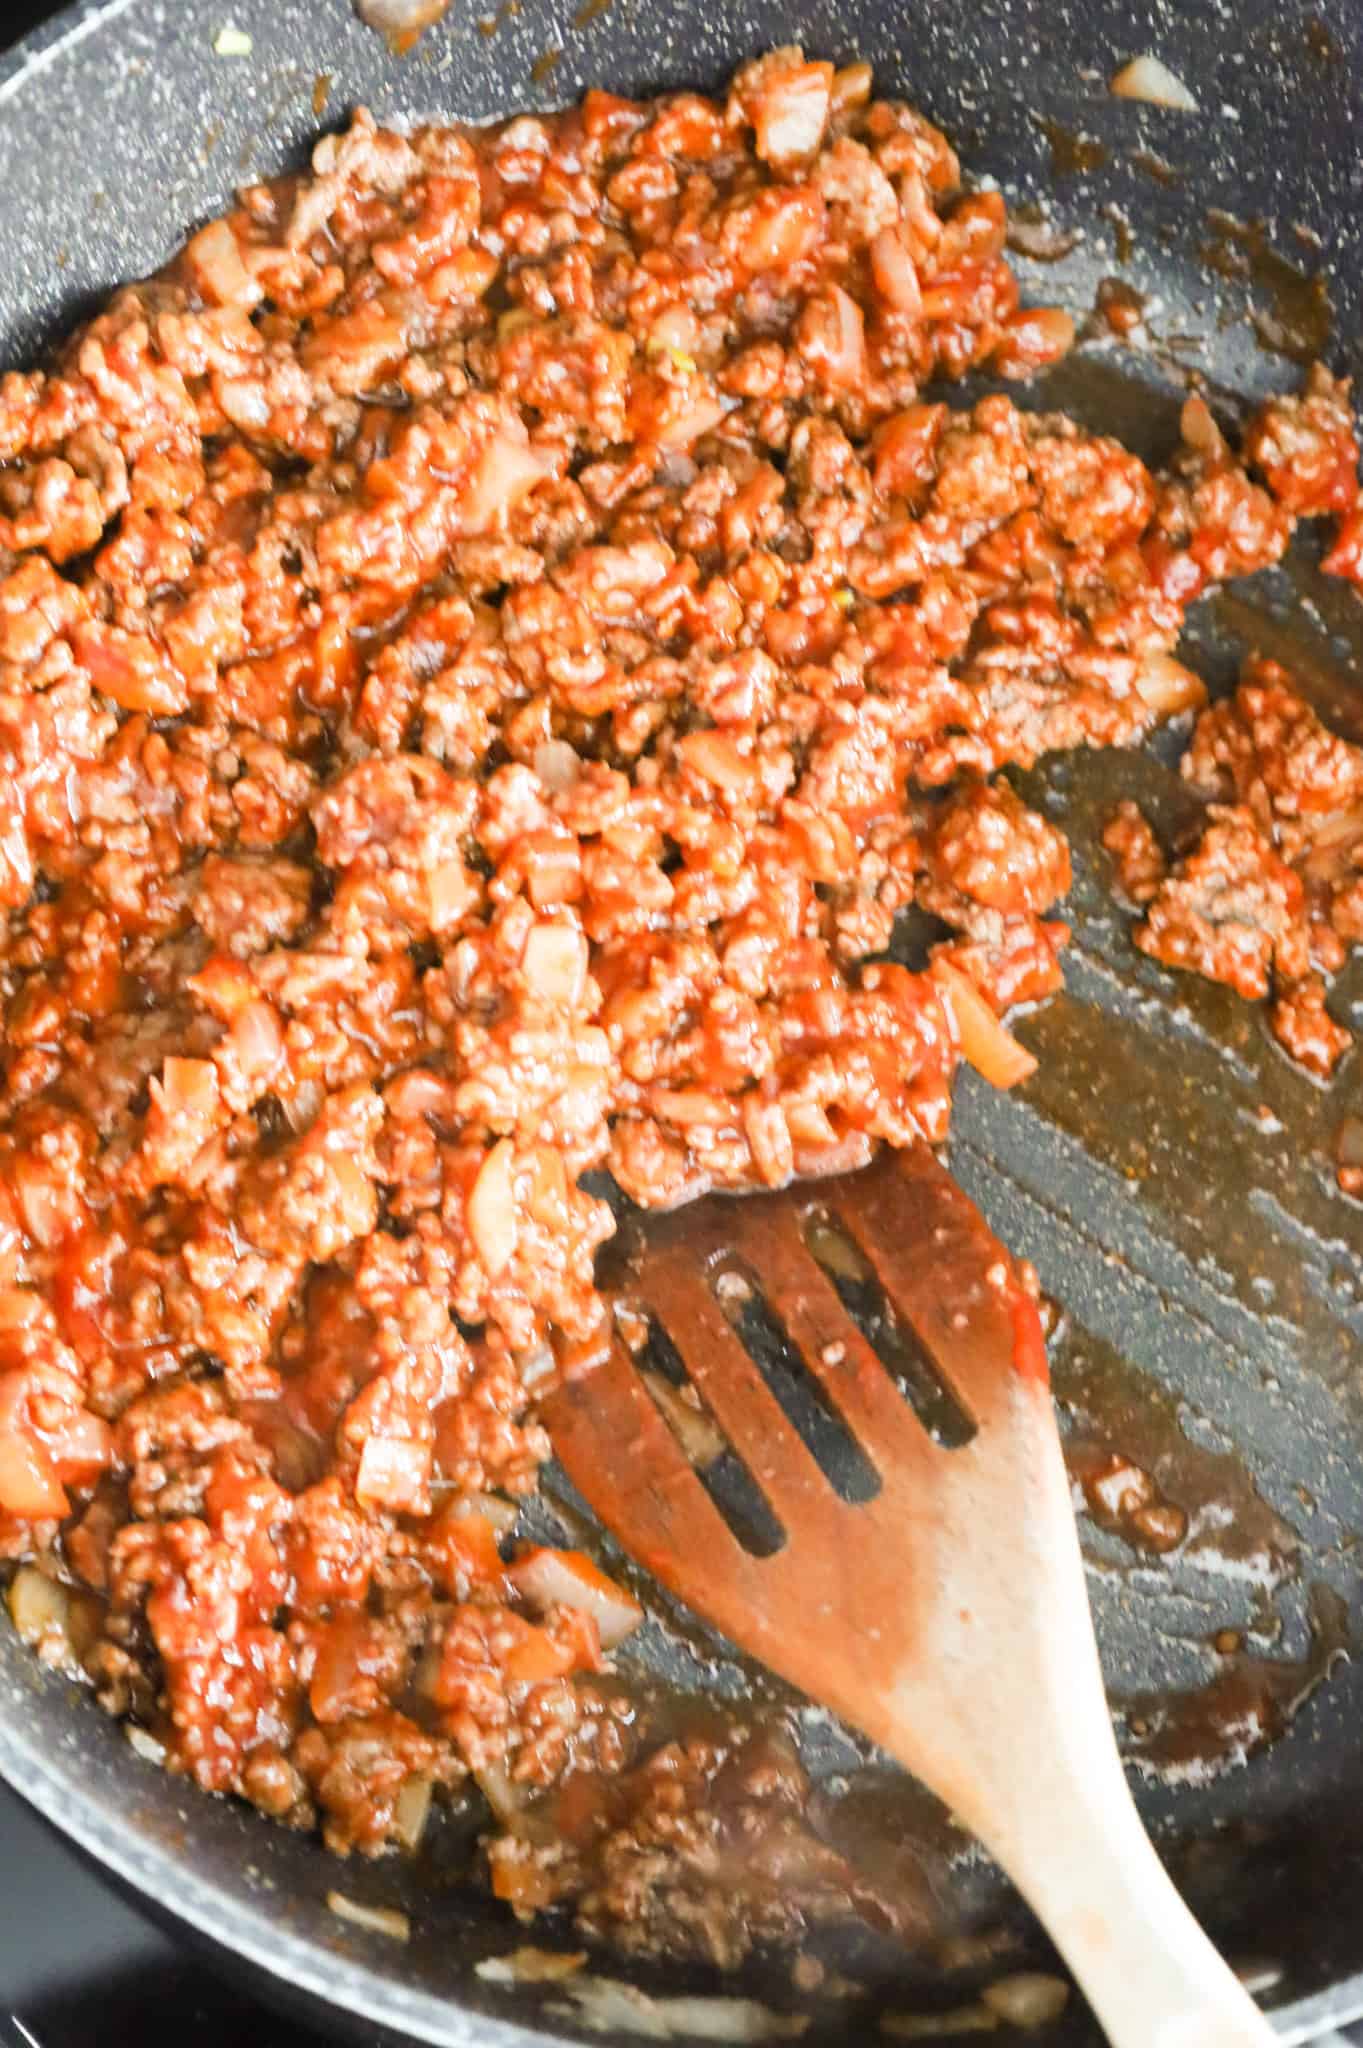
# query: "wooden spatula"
[[946, 1616]]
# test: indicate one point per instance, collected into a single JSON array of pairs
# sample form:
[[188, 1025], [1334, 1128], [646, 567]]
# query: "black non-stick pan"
[[1167, 1170]]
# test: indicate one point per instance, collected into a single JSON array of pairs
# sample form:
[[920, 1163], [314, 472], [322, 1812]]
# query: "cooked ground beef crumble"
[[1271, 894], [490, 641]]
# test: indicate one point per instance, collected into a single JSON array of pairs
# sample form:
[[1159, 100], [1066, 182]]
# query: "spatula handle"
[[1074, 1841], [1151, 1975], [1003, 1713]]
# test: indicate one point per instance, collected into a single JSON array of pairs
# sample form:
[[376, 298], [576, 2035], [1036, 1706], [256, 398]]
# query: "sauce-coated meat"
[[490, 641]]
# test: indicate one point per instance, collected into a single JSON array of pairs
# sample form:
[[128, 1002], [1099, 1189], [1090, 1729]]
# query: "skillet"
[[1166, 1170]]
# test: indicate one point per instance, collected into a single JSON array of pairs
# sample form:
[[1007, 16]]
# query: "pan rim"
[[225, 1921]]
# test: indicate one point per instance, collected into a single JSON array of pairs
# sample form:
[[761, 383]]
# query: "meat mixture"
[[490, 641], [1270, 897]]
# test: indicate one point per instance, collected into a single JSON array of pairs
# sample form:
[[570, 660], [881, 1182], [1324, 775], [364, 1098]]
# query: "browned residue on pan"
[[1073, 152], [1157, 167], [1187, 1737], [1123, 234], [1298, 319]]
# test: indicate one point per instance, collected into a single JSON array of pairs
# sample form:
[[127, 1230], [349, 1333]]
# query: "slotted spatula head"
[[838, 1606], [942, 1610]]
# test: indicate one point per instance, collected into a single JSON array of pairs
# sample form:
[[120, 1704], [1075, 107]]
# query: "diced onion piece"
[[189, 1088], [1168, 687], [231, 41], [131, 669], [401, 17], [555, 963], [492, 1209], [568, 1578], [1333, 841], [505, 472], [698, 1436], [449, 892], [417, 1092], [81, 1447], [1147, 78], [1199, 429], [715, 758], [1339, 830], [71, 1447], [39, 1608], [808, 1124], [852, 86], [501, 1514], [258, 1039], [608, 2006], [537, 1366], [893, 270], [1033, 337], [838, 338], [781, 225], [214, 261], [931, 2026], [547, 1198], [695, 412], [379, 1919], [504, 1797], [411, 1811], [29, 1484], [792, 112], [1259, 1977], [245, 403], [1027, 2000], [48, 1203], [676, 331], [393, 1474], [531, 1966], [143, 1743], [986, 1042], [20, 1307], [557, 765]]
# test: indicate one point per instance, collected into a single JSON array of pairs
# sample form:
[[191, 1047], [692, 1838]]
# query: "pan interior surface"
[[1167, 1169]]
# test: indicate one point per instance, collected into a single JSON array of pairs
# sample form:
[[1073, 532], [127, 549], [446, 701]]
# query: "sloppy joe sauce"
[[491, 641]]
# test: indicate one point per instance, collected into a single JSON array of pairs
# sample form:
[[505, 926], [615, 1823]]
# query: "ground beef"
[[1306, 1032], [1306, 448], [1138, 856], [704, 1848], [991, 868], [490, 641], [1229, 909], [1270, 895]]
